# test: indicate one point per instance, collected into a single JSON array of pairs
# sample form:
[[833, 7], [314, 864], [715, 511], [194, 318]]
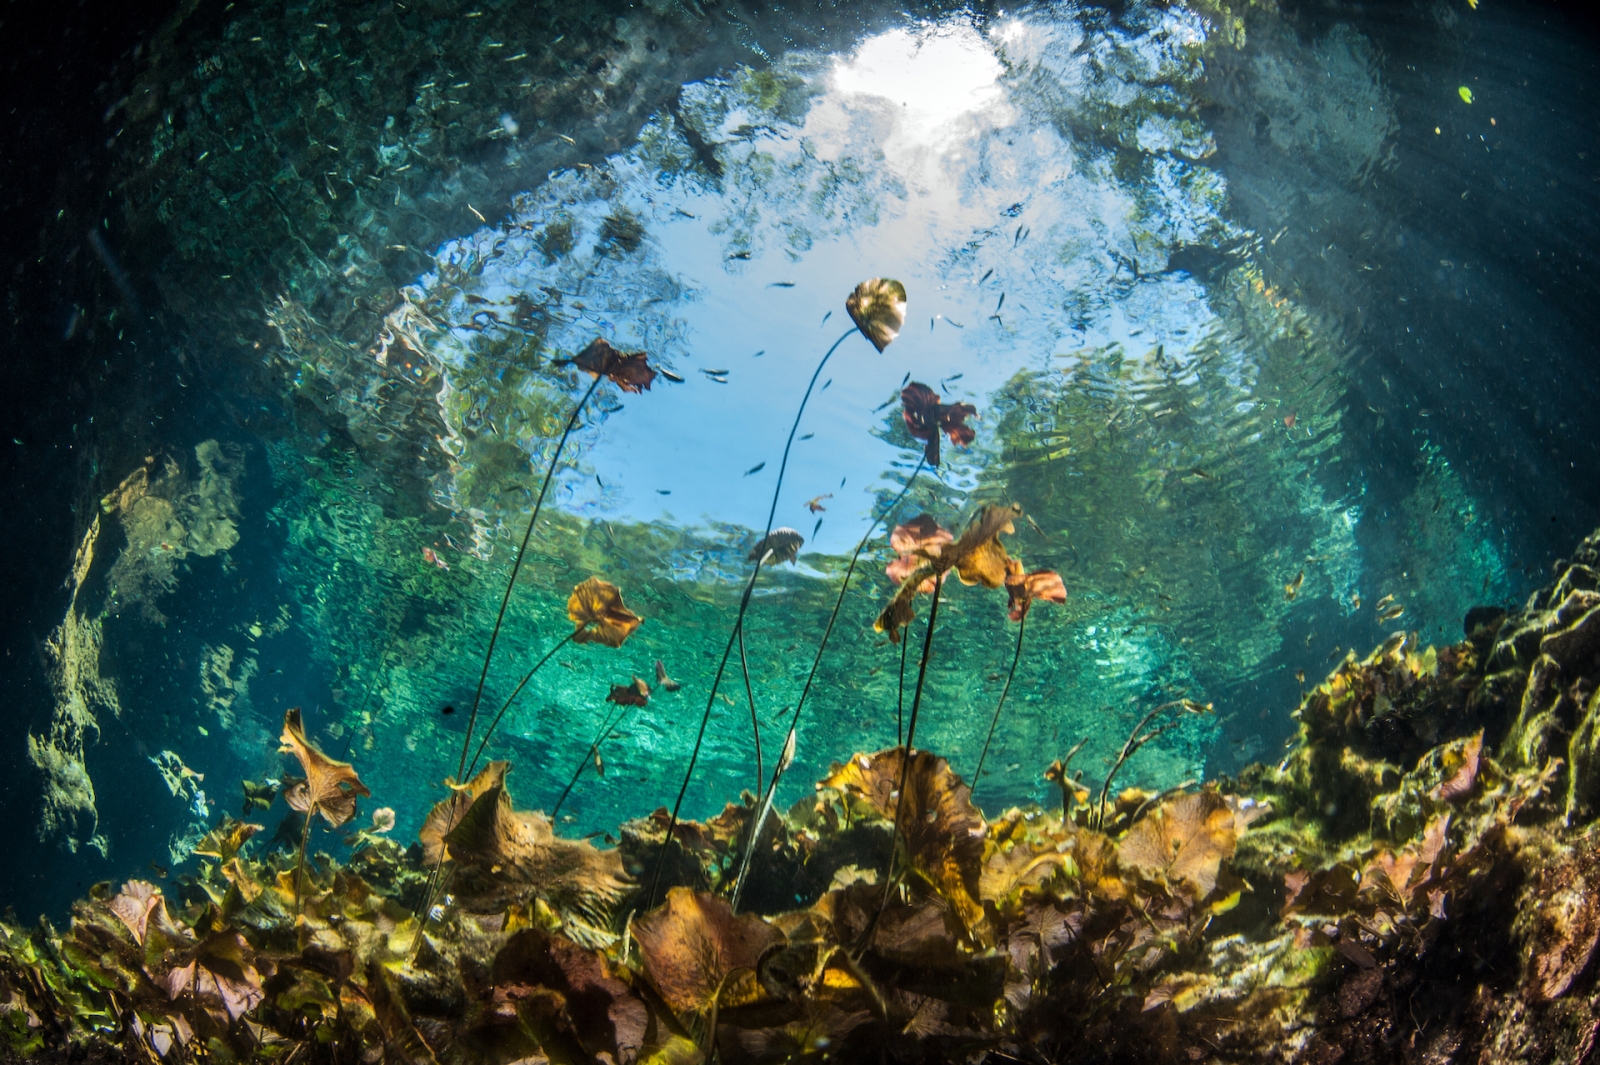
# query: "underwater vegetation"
[[1434, 817]]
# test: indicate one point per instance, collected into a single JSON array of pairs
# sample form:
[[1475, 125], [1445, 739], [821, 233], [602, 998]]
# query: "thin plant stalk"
[[1016, 655], [300, 862], [900, 698], [749, 693], [611, 722], [738, 624], [816, 662], [1130, 748], [516, 567], [489, 732]]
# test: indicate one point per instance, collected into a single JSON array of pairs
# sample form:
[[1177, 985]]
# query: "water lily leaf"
[[382, 820], [699, 955], [917, 542], [224, 841], [447, 814], [878, 307], [978, 557], [942, 830], [330, 787], [582, 998], [926, 417], [784, 544], [134, 905], [629, 371], [595, 607], [506, 856], [1023, 589], [222, 973], [636, 693], [1183, 842]]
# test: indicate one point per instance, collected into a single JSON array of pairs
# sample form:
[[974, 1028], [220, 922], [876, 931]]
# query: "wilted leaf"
[[1182, 843], [698, 954], [506, 856], [636, 693], [878, 307], [629, 371], [917, 542], [134, 905], [382, 820], [224, 841], [330, 787], [942, 830], [581, 997], [784, 544], [447, 814], [595, 607], [926, 417], [1022, 589], [977, 557], [222, 973]]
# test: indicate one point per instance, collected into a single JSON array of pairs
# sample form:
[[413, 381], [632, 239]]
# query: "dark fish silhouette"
[[808, 436], [757, 468], [986, 276], [670, 376], [781, 284]]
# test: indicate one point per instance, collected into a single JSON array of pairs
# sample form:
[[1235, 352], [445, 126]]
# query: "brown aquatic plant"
[[918, 541], [699, 955], [330, 787], [634, 693], [926, 418], [977, 557], [878, 307], [932, 812], [1141, 735], [598, 614], [1182, 843], [629, 371]]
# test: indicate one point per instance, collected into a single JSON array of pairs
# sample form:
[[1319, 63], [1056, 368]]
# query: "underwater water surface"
[[1248, 334]]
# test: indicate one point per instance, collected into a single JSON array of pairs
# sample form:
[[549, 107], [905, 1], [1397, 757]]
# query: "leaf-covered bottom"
[[1416, 882]]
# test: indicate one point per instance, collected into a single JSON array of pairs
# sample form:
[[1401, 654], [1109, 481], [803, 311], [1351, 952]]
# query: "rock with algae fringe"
[[1416, 882]]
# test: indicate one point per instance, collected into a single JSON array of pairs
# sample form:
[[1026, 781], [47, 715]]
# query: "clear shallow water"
[[1201, 387]]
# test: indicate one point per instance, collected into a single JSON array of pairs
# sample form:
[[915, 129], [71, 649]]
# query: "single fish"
[[599, 764], [757, 468], [884, 404], [1292, 589], [815, 527], [1002, 303], [1392, 613], [740, 255], [824, 388], [904, 380], [826, 317], [808, 436], [760, 353], [1300, 675], [160, 870], [715, 373], [781, 284], [1383, 603], [670, 376], [815, 503], [447, 710], [986, 276], [664, 682], [663, 491]]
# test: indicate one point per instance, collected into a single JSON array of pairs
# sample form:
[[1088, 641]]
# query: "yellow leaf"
[[1465, 93]]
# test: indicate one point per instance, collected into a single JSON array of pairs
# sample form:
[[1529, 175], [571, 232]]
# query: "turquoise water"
[[1155, 248]]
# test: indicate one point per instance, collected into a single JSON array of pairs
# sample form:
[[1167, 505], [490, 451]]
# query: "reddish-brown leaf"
[[330, 787], [629, 371], [635, 694], [926, 417], [1022, 589]]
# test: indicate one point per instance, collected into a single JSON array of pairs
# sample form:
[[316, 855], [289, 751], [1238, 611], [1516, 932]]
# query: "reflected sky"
[[938, 157]]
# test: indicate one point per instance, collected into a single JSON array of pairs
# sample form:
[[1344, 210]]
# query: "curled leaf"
[[329, 788], [596, 608], [784, 544], [926, 418], [878, 307], [636, 693], [917, 541], [447, 814], [1022, 589], [699, 955], [977, 557], [942, 830], [629, 371], [224, 841]]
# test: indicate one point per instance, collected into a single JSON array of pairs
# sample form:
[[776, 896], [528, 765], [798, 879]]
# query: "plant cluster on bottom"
[[1416, 882]]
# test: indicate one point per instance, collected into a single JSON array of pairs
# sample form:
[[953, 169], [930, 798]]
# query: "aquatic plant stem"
[[750, 694], [610, 722], [905, 761], [300, 862], [1129, 749], [900, 698], [816, 663], [738, 624], [488, 732], [516, 567], [1022, 626]]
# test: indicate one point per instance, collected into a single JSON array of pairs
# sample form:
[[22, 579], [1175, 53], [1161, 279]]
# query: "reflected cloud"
[[939, 80]]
